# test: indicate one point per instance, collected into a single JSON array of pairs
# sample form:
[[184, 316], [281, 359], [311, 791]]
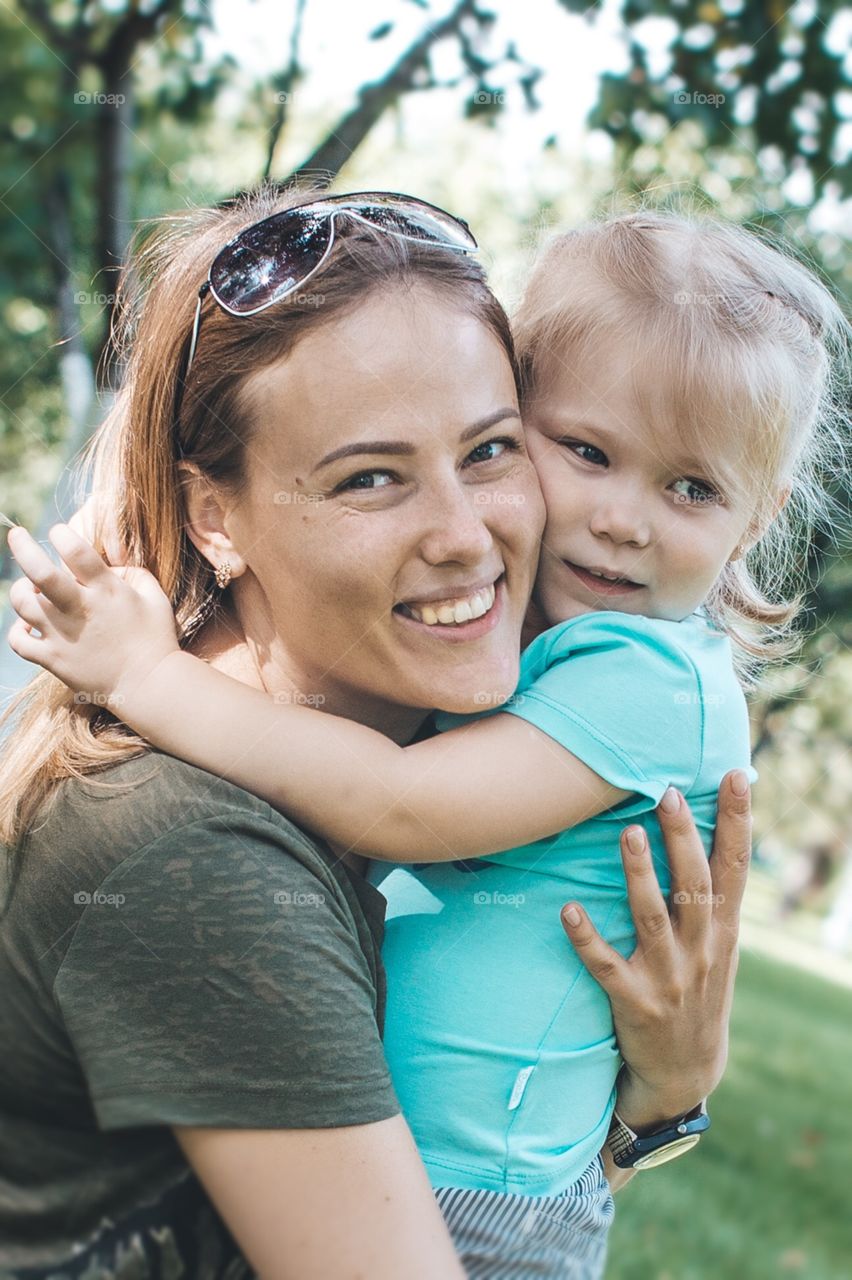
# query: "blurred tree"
[[757, 73], [66, 164], [102, 101], [78, 118]]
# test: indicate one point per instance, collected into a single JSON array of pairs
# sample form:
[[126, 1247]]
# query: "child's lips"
[[604, 586]]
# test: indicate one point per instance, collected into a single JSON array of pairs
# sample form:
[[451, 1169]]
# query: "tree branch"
[[285, 84], [130, 33], [373, 99], [70, 41]]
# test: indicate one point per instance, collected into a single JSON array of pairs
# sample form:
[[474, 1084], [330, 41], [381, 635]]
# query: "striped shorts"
[[502, 1236]]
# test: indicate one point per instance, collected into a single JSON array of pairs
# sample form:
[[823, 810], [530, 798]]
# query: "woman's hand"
[[103, 630], [671, 1000]]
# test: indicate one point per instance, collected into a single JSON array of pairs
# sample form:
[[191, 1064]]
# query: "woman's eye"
[[490, 450], [368, 480], [588, 452], [695, 492]]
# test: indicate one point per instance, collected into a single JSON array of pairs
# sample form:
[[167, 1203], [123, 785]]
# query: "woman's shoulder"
[[148, 797], [166, 832], [209, 962]]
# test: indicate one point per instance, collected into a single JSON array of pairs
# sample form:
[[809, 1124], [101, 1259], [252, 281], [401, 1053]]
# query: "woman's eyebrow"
[[405, 447]]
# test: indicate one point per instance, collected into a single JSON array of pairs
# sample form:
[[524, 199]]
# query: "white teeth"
[[456, 612]]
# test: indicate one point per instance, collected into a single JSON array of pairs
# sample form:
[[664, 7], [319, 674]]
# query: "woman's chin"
[[479, 696]]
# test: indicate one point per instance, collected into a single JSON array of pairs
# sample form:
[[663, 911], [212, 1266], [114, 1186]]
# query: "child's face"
[[622, 500]]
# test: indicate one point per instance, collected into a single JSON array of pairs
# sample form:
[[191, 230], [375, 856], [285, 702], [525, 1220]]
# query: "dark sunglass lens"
[[416, 224], [266, 261]]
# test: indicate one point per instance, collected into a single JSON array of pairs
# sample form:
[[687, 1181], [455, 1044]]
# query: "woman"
[[196, 990]]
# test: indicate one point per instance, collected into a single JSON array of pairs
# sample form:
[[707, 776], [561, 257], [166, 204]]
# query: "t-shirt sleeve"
[[621, 695], [218, 978]]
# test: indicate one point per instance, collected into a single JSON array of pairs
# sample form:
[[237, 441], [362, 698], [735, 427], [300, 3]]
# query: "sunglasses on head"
[[273, 258]]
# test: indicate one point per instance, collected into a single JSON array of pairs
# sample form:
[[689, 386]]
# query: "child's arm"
[[490, 785]]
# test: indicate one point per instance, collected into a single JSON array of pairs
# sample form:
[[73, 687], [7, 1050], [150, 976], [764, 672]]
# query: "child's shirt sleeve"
[[623, 694]]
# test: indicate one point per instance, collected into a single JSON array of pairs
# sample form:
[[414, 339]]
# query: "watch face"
[[669, 1152]]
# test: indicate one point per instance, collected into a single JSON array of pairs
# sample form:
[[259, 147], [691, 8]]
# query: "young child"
[[676, 380]]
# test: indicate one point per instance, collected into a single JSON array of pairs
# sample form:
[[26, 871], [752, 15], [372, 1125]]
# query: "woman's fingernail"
[[636, 840], [739, 782], [572, 915], [670, 802]]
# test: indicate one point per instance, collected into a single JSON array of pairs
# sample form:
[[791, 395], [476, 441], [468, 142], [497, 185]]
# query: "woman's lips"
[[461, 631], [601, 586]]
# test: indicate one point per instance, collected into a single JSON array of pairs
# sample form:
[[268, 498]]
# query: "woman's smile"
[[461, 615]]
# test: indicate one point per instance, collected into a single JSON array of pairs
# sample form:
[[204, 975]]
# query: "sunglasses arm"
[[196, 324]]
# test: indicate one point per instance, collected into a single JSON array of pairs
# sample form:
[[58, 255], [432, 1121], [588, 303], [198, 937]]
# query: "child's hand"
[[85, 521], [103, 630]]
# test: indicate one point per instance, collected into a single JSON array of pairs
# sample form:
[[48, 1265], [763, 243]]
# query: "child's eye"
[[695, 492], [490, 450], [367, 480], [588, 452]]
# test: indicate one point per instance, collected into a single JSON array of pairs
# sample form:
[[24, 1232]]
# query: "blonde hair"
[[157, 420], [743, 339]]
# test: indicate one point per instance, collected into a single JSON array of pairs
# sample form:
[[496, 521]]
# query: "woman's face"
[[392, 517]]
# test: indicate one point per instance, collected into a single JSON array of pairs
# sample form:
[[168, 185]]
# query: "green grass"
[[766, 1192]]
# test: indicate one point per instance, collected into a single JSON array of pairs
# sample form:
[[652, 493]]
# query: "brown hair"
[[743, 340], [132, 458]]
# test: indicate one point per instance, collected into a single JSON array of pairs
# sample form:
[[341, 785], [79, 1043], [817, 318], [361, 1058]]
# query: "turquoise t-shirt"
[[501, 1047]]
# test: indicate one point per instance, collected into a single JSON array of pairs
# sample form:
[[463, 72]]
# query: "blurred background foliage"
[[524, 115]]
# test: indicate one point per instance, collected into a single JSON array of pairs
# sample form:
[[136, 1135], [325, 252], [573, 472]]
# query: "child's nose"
[[622, 518]]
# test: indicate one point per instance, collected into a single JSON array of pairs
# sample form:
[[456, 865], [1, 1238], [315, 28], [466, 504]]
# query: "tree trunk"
[[114, 161]]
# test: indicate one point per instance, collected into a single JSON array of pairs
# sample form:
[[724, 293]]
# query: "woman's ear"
[[205, 520]]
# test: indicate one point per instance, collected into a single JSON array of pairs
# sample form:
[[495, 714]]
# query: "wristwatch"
[[671, 1139]]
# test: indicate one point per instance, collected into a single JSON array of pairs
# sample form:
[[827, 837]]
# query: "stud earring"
[[223, 575]]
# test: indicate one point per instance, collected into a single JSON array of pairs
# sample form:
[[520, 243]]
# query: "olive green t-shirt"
[[173, 951]]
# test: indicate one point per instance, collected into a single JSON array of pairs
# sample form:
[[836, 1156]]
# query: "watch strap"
[[628, 1147]]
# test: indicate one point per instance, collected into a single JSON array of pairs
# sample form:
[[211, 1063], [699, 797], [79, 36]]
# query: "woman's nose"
[[458, 527]]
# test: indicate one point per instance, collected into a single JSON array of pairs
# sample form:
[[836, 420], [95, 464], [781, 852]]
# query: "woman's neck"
[[223, 644]]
